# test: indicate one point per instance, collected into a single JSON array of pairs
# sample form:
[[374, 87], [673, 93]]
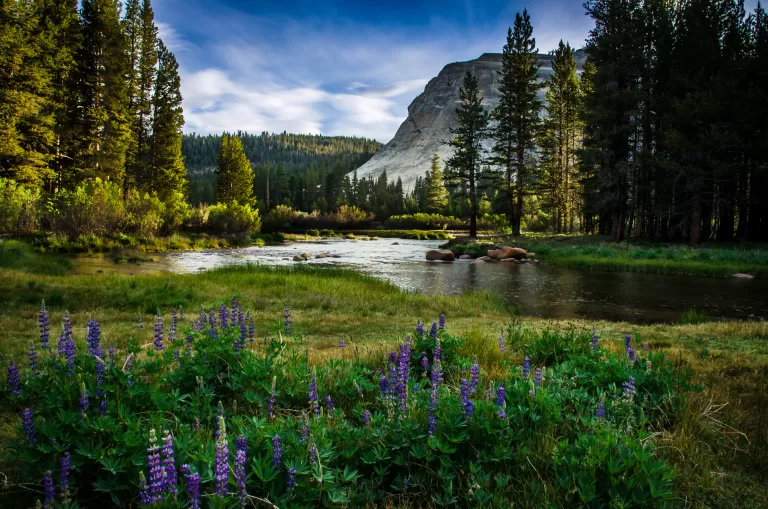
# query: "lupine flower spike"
[[277, 452], [441, 325], [221, 471], [84, 403], [159, 333], [49, 490], [156, 478], [28, 423], [313, 403], [501, 402], [600, 410], [526, 367], [169, 463], [629, 388], [66, 466], [193, 486], [32, 356], [14, 382], [139, 324], [43, 323], [595, 341], [240, 475], [287, 321], [271, 400], [290, 479], [342, 345], [502, 342]]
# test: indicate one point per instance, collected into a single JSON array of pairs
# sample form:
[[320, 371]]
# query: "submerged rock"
[[299, 258], [323, 255], [465, 257], [443, 255]]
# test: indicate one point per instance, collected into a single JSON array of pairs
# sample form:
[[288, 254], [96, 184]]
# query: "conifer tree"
[[146, 75], [234, 174], [463, 167], [517, 116], [132, 27], [437, 196]]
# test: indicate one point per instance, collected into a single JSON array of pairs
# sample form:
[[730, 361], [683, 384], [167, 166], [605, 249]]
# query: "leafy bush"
[[233, 218], [278, 219], [19, 207], [144, 214], [177, 212], [348, 217], [426, 424], [95, 208]]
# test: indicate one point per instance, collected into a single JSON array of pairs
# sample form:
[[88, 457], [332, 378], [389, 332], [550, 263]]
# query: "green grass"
[[20, 256]]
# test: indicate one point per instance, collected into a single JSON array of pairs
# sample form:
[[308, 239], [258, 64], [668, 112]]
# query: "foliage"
[[351, 431], [234, 175], [19, 207], [20, 256], [233, 218], [144, 214], [279, 218], [93, 208]]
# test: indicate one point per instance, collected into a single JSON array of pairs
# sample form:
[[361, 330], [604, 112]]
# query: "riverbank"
[[596, 253], [717, 443]]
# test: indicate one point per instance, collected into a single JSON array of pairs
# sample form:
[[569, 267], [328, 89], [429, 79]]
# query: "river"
[[540, 290]]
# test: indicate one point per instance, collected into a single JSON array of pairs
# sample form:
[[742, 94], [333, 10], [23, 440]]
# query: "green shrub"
[[278, 219], [233, 218], [19, 207], [177, 212], [95, 208], [144, 214]]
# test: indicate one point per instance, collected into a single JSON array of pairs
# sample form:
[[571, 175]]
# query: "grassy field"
[[595, 252], [717, 444]]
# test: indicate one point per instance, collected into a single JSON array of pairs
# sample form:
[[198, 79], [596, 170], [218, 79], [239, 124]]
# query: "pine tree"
[[463, 167], [517, 116], [132, 27], [437, 196], [103, 128], [234, 174], [167, 172], [143, 104]]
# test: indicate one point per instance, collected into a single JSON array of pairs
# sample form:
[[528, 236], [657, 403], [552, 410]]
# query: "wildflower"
[[329, 403], [342, 345], [424, 362], [139, 324], [156, 482], [305, 430], [403, 369], [43, 325], [367, 418], [538, 376], [631, 354], [240, 477], [159, 333], [221, 472], [103, 406], [645, 347], [432, 418], [144, 498], [419, 328], [220, 414], [70, 350], [383, 385], [358, 388], [501, 401], [251, 328], [66, 466], [627, 342], [271, 400], [112, 353], [172, 327], [84, 404], [600, 410], [437, 353], [433, 331], [629, 388], [190, 343], [474, 371], [32, 356], [312, 453], [277, 452], [313, 395], [169, 463], [28, 423], [502, 342], [212, 323], [193, 486], [465, 401], [441, 325], [14, 382], [290, 479], [49, 489], [287, 320], [393, 357], [595, 340], [94, 339], [240, 343], [526, 367]]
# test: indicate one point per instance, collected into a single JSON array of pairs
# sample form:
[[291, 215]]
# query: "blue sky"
[[334, 67]]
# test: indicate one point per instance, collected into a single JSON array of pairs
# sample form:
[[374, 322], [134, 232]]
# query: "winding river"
[[540, 290]]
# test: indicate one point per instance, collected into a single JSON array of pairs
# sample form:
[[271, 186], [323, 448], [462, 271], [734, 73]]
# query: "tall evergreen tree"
[[517, 116], [132, 27], [167, 172], [464, 166], [437, 196], [234, 174], [143, 104]]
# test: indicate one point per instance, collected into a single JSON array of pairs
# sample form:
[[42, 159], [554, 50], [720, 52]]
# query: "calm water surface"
[[540, 290]]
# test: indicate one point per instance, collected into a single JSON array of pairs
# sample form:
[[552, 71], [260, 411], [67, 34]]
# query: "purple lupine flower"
[[403, 370], [222, 460], [84, 404], [190, 343], [312, 453], [645, 347], [290, 479], [474, 372], [419, 328], [501, 401], [465, 401], [287, 320], [313, 403], [241, 443], [112, 353], [159, 333], [218, 421], [433, 331], [193, 486], [169, 463], [240, 344], [538, 376], [277, 452], [424, 362], [103, 406], [437, 375], [328, 402], [14, 382], [367, 418], [94, 339], [212, 323], [502, 342], [627, 342], [631, 354], [43, 324], [144, 497], [595, 341], [32, 357], [240, 477], [441, 325], [28, 423], [139, 323], [223, 316], [342, 345], [526, 367], [70, 350], [156, 477], [173, 327], [393, 357], [383, 385], [432, 418], [437, 354], [271, 400], [600, 410], [49, 489], [305, 430], [629, 388], [251, 328], [66, 466]]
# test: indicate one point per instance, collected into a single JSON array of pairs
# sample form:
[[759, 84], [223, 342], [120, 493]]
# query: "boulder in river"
[[443, 255], [498, 254], [478, 261], [323, 255], [739, 275], [465, 257], [299, 258], [395, 243], [515, 252], [486, 259]]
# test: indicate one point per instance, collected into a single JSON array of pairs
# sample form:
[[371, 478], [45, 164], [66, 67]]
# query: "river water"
[[540, 290]]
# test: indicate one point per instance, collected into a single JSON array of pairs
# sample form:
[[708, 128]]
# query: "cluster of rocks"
[[503, 254], [306, 256]]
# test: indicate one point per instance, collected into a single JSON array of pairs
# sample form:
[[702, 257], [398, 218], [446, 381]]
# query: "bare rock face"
[[430, 116]]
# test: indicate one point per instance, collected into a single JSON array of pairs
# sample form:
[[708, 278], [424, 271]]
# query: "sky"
[[334, 67]]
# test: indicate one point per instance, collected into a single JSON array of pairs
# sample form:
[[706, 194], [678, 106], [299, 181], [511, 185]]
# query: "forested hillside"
[[288, 160]]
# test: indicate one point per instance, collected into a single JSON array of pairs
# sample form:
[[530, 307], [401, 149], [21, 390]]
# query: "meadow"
[[364, 416]]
